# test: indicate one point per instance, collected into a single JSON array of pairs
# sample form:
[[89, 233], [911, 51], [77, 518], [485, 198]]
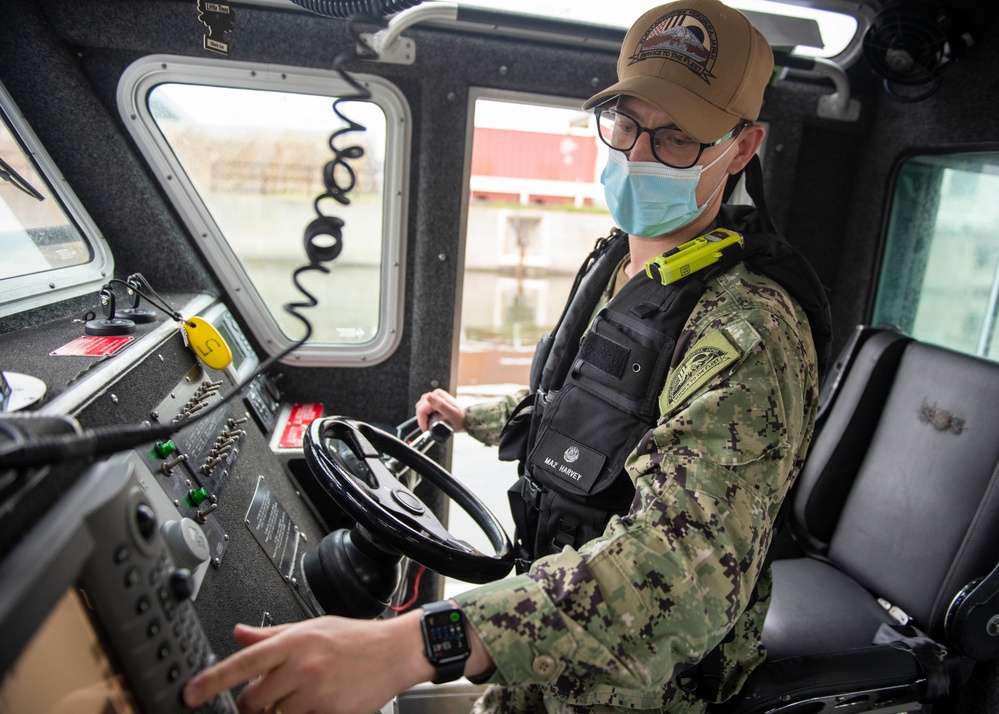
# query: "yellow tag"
[[207, 343], [706, 359]]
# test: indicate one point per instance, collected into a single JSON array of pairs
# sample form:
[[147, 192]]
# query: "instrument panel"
[[156, 551]]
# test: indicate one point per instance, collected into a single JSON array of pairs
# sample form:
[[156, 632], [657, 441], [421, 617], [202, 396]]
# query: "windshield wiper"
[[8, 174]]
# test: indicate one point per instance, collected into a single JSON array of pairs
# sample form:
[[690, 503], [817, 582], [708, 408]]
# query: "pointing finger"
[[234, 670]]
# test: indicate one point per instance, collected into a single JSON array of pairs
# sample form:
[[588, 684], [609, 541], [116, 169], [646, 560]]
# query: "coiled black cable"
[[323, 236], [347, 8]]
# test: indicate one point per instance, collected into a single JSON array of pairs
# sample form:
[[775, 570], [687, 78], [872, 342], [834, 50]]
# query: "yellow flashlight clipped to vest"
[[691, 256]]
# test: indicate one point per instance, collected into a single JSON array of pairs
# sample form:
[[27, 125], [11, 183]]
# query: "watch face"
[[445, 635]]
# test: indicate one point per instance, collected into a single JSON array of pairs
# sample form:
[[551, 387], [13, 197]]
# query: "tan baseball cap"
[[699, 61]]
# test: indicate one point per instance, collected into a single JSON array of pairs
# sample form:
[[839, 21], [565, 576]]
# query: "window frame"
[[890, 198], [134, 87], [21, 293]]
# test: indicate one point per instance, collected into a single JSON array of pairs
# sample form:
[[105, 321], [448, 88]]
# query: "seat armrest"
[[972, 620], [878, 673]]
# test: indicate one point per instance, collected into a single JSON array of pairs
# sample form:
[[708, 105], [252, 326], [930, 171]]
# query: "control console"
[[131, 580], [138, 566], [105, 545]]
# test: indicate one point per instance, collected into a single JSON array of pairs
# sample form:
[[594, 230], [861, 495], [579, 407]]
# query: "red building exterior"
[[538, 162]]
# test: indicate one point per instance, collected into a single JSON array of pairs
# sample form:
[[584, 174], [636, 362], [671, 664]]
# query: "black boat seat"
[[896, 520]]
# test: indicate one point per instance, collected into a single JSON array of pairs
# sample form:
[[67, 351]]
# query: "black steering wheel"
[[346, 456]]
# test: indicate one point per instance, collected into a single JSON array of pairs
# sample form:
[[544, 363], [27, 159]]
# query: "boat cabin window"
[[246, 153], [535, 208], [51, 249], [940, 271]]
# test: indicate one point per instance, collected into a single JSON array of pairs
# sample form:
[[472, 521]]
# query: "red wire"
[[416, 592]]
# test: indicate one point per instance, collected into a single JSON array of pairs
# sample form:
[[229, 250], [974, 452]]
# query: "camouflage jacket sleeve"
[[615, 622], [485, 420]]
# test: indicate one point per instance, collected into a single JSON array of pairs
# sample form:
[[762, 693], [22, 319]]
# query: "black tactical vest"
[[591, 400]]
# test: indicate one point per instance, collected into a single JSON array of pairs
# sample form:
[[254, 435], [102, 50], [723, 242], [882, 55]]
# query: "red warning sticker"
[[299, 418], [92, 346]]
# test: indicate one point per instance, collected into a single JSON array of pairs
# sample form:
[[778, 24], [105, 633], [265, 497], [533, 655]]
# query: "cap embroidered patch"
[[683, 36]]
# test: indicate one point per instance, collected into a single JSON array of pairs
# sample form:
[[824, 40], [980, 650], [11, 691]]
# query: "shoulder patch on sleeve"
[[709, 356]]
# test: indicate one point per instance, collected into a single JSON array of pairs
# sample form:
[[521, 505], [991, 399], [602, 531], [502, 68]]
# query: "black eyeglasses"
[[670, 146]]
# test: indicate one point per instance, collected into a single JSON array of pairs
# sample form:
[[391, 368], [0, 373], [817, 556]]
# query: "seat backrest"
[[851, 401], [900, 489]]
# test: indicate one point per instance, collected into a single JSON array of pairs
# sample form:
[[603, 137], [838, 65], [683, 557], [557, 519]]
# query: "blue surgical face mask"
[[648, 199]]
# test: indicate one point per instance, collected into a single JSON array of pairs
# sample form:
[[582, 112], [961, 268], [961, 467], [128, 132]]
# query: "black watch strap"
[[445, 640], [449, 671]]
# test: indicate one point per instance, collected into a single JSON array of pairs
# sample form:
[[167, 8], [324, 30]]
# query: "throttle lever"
[[439, 432]]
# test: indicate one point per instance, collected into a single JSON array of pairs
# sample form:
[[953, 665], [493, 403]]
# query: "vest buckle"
[[533, 492]]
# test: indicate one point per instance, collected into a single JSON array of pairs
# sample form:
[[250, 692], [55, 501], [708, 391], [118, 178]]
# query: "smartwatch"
[[444, 641]]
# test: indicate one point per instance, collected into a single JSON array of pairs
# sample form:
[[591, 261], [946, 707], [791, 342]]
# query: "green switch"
[[164, 448], [198, 497]]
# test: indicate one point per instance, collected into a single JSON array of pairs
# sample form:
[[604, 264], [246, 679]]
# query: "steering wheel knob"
[[408, 501]]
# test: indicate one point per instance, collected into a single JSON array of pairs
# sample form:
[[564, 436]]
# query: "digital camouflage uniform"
[[612, 624]]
